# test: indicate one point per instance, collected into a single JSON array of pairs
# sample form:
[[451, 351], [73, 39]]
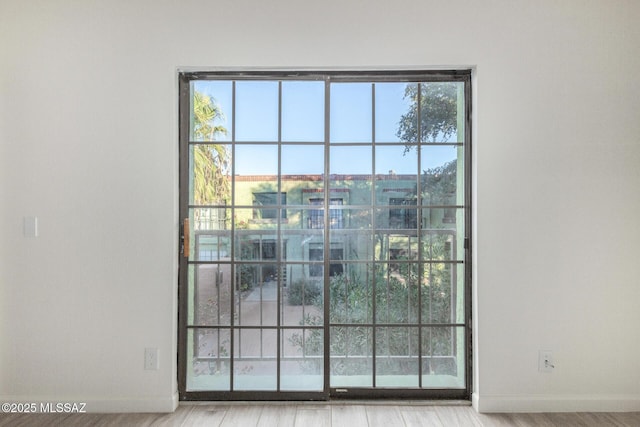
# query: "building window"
[[449, 216], [405, 216], [316, 253], [316, 216], [269, 200], [210, 219]]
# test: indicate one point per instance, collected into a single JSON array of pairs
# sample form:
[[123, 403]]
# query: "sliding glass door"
[[325, 235]]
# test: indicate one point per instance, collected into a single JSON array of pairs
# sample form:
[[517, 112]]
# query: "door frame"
[[329, 392]]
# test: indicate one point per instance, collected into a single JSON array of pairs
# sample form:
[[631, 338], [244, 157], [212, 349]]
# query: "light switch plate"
[[30, 226]]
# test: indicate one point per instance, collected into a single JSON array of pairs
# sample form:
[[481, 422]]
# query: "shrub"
[[396, 295], [304, 292]]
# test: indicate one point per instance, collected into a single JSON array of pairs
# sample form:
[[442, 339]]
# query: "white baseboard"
[[555, 403], [108, 405]]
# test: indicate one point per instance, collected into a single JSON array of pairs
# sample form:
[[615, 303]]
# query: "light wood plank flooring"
[[322, 414]]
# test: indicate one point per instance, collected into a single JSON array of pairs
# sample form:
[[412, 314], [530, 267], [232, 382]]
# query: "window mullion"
[[281, 200], [326, 236]]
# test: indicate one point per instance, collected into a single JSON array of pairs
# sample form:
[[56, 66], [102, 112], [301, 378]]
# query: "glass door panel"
[[351, 357], [302, 359]]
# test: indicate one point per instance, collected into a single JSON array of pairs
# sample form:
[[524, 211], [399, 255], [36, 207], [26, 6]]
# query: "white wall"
[[88, 143]]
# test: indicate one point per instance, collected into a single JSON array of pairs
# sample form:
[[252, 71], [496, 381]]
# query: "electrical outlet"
[[151, 362], [545, 361]]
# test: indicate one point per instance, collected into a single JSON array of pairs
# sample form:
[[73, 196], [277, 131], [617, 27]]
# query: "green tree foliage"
[[438, 113], [439, 184], [211, 162], [438, 122], [205, 113]]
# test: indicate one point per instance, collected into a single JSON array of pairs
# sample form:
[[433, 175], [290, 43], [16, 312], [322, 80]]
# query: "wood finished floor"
[[376, 414]]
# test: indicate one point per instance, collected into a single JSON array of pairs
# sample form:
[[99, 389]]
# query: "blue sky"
[[303, 122]]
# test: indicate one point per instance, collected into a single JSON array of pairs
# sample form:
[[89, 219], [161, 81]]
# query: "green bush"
[[397, 302], [304, 292]]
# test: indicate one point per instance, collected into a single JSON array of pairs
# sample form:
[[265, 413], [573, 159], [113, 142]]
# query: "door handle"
[[184, 237]]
